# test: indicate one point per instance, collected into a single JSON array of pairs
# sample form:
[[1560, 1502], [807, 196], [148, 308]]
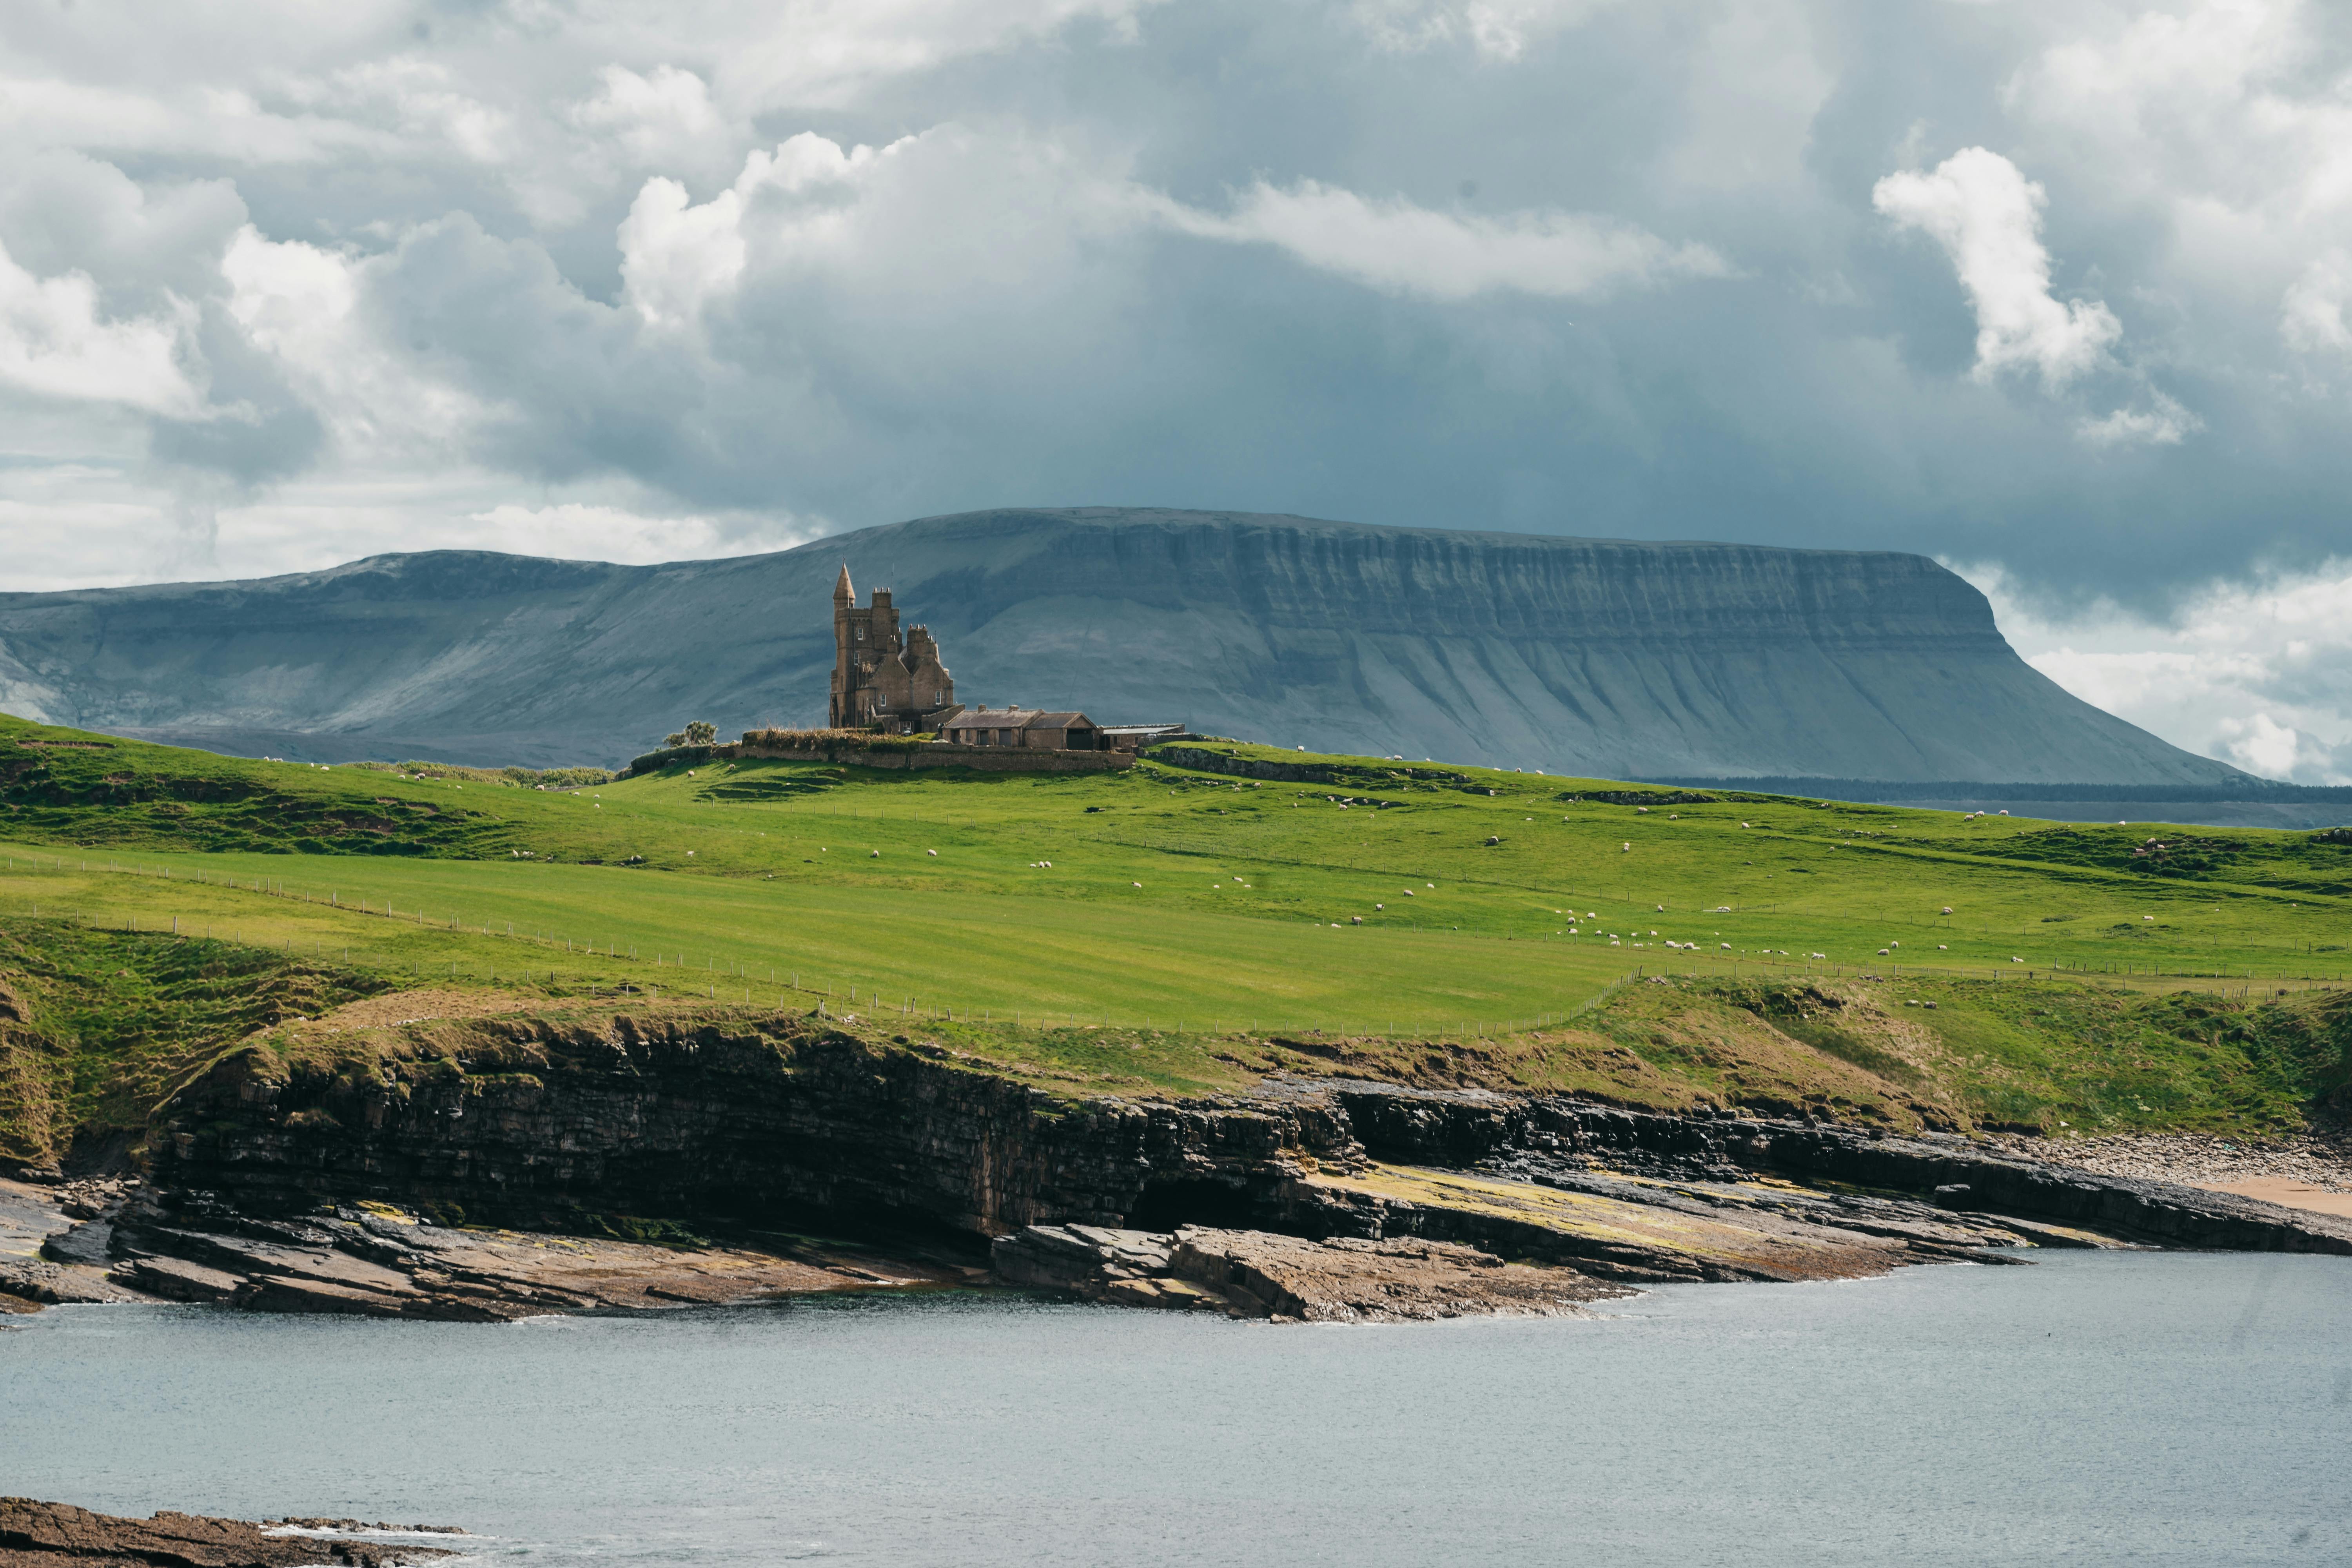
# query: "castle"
[[880, 680]]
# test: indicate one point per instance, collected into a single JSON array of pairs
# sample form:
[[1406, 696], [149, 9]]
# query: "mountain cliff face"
[[1596, 656]]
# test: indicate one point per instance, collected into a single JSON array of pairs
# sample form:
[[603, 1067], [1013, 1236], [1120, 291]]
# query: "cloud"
[[2164, 423], [1988, 218], [2257, 672], [57, 343], [2262, 745], [307, 310], [1400, 249], [2311, 318], [584, 532], [294, 283], [675, 257], [1495, 29]]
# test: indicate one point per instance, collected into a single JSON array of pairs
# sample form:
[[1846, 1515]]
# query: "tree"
[[699, 733]]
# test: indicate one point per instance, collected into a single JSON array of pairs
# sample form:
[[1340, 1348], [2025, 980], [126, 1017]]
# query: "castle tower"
[[878, 676]]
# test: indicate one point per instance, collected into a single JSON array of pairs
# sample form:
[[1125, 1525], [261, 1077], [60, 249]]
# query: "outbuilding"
[[1028, 726]]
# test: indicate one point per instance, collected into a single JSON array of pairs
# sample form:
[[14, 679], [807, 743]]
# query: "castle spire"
[[843, 594]]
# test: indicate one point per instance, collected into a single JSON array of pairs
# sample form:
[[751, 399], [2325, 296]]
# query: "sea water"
[[2096, 1408]]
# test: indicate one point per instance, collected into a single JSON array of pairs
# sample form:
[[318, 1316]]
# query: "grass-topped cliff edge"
[[1222, 912]]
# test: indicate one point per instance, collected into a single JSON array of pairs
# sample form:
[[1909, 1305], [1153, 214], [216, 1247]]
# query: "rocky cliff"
[[1611, 659], [789, 1122]]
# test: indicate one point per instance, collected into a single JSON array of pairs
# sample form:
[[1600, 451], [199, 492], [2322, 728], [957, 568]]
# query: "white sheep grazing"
[[1139, 884], [933, 853]]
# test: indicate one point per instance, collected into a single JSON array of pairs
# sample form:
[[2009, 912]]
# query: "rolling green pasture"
[[1166, 925], [1417, 897]]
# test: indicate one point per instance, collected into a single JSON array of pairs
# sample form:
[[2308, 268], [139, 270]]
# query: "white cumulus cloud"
[[1397, 246], [56, 341], [2257, 673], [677, 255], [1987, 216], [2163, 423]]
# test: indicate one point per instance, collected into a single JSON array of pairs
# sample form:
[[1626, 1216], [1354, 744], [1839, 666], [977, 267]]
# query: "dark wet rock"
[[85, 1244], [191, 1248], [57, 1535]]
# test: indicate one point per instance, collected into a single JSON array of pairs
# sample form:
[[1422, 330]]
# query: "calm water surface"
[[2125, 1408]]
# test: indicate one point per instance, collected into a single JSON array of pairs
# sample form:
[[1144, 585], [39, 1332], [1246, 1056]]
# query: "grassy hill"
[[1439, 923]]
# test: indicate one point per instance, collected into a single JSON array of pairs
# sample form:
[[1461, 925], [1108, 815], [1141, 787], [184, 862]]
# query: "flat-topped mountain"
[[1607, 657]]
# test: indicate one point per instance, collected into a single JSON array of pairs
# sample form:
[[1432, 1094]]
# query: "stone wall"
[[935, 754], [885, 752]]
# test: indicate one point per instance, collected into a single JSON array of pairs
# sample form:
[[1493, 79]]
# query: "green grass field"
[[1374, 900], [1456, 893]]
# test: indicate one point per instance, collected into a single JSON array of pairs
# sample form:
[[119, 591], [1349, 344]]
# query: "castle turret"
[[878, 677]]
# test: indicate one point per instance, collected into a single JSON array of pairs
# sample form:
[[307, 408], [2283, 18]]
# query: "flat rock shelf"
[[57, 1535]]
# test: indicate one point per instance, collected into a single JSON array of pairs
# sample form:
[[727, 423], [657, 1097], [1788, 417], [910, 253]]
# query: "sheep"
[[933, 853]]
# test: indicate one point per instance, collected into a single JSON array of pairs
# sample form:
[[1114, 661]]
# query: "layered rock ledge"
[[1254, 1274], [57, 1535], [474, 1168]]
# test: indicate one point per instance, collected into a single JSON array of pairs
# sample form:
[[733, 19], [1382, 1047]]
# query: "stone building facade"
[[880, 678], [1014, 726]]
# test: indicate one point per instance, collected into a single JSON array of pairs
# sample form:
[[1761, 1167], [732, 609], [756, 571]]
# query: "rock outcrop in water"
[[57, 1535], [1600, 658]]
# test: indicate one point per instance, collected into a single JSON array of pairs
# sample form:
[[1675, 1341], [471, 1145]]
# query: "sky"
[[2057, 292]]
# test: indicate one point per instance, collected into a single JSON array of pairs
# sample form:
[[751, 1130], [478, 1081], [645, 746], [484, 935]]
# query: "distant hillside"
[[1604, 658]]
